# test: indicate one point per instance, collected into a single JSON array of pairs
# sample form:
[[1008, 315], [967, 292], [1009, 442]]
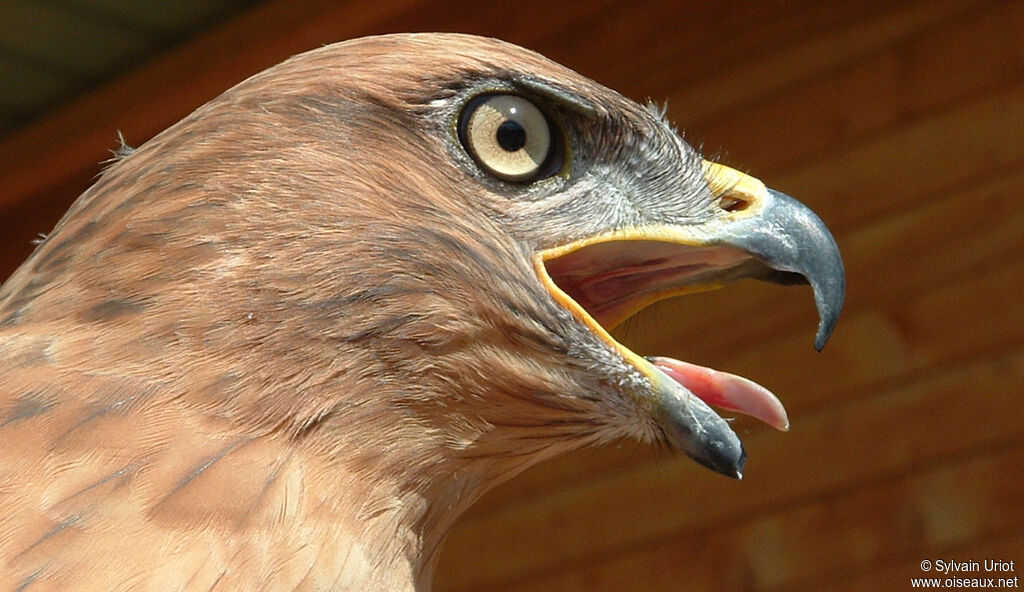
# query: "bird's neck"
[[366, 528], [368, 534], [382, 527]]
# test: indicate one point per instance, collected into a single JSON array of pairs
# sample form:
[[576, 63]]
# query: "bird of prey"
[[286, 342]]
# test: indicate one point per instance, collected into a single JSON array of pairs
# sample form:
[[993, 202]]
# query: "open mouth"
[[603, 283], [607, 278]]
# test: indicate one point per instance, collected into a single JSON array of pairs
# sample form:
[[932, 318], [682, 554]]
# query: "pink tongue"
[[728, 391]]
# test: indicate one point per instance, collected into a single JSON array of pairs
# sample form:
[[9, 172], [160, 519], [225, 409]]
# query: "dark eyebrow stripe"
[[570, 99]]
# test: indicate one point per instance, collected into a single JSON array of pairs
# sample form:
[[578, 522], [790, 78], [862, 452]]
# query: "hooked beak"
[[791, 243], [765, 235]]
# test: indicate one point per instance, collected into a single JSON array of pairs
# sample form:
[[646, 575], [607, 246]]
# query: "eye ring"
[[509, 137]]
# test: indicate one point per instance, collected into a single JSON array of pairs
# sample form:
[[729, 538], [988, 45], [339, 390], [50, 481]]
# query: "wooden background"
[[900, 122]]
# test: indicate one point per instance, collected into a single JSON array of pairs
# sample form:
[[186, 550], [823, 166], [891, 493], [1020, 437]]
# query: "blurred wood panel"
[[900, 122], [777, 63], [58, 36], [929, 68], [782, 549]]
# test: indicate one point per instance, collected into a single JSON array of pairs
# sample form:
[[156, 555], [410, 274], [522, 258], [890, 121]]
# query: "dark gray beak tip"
[[829, 295], [794, 244], [811, 251], [826, 326]]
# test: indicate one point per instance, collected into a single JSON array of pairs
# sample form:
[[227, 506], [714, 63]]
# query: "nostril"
[[732, 203]]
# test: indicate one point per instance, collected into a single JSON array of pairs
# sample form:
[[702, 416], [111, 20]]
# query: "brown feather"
[[285, 343]]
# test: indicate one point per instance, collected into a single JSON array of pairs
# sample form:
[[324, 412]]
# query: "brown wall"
[[900, 123]]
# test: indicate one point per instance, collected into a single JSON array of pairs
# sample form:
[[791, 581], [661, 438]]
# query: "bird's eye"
[[509, 137]]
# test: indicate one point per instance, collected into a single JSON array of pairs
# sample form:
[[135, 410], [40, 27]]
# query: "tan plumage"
[[285, 343]]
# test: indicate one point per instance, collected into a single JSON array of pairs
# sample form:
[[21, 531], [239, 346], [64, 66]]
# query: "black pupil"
[[511, 135]]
